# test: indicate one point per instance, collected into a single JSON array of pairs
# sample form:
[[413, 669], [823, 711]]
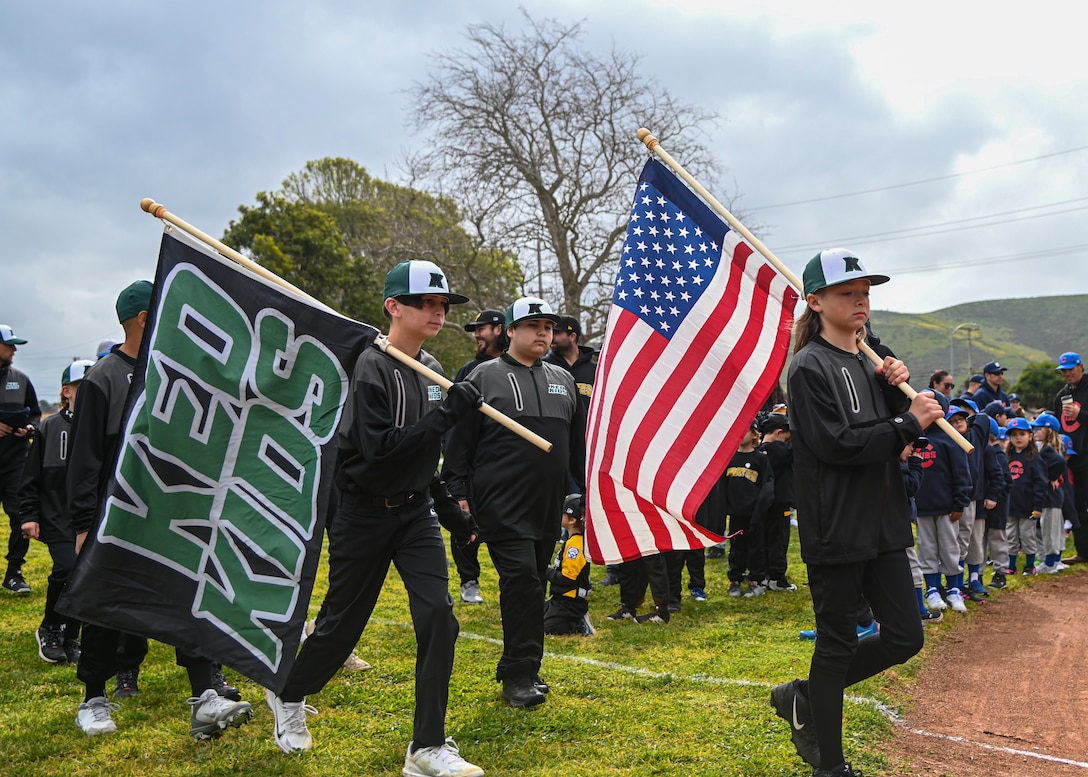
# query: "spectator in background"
[[973, 384], [19, 415], [1015, 408], [489, 331], [941, 381], [993, 375]]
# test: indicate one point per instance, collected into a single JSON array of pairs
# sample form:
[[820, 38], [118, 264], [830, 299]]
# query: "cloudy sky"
[[944, 143]]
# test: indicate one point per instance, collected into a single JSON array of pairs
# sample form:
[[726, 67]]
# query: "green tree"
[[339, 231], [537, 138], [1039, 383]]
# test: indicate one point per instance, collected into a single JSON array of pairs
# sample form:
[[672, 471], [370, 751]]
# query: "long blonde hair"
[[806, 326]]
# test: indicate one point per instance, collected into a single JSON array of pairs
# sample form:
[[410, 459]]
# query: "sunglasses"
[[948, 385]]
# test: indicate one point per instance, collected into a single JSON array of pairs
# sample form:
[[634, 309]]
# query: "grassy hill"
[[1011, 331]]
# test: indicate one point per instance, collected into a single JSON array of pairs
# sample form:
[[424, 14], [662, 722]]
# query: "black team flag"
[[210, 535]]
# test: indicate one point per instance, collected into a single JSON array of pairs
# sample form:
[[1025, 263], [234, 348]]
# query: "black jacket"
[[848, 428], [1077, 429], [999, 481], [780, 454], [17, 393], [43, 493], [391, 431], [96, 435], [748, 486], [513, 488]]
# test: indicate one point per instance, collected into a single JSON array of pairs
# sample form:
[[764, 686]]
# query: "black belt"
[[393, 500]]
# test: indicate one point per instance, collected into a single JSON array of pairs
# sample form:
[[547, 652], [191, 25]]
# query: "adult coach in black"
[[516, 490], [489, 331], [390, 439], [577, 359], [19, 415], [1070, 406]]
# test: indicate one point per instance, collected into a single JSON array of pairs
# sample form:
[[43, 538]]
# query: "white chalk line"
[[884, 709]]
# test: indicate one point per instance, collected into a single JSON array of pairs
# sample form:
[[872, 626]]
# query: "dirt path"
[[1012, 677]]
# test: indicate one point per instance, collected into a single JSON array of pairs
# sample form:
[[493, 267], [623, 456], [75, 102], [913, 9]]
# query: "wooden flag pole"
[[160, 212], [654, 146]]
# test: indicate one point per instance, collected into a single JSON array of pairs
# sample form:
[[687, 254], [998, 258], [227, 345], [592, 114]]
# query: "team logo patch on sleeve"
[[434, 393], [572, 553], [557, 388]]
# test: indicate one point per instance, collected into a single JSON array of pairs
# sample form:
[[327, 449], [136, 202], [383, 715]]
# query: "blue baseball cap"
[[964, 403], [976, 378], [1047, 421], [1069, 360], [1067, 441], [942, 400], [994, 426], [995, 408], [953, 412], [1002, 433], [1018, 423]]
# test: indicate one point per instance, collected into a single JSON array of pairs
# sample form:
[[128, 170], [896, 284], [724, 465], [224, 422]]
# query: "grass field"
[[687, 698]]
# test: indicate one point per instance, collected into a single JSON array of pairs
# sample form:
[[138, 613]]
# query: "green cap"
[[418, 277], [835, 266], [135, 299], [75, 372], [529, 308]]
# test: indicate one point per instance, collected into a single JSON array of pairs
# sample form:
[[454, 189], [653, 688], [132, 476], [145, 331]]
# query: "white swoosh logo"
[[796, 723]]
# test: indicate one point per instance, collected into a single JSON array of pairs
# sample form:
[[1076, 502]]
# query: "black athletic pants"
[[636, 575], [64, 557], [1078, 466], [363, 541], [839, 593], [776, 537], [11, 470], [521, 564], [675, 561]]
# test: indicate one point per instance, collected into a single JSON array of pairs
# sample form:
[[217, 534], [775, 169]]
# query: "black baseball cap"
[[484, 318], [773, 422], [569, 324]]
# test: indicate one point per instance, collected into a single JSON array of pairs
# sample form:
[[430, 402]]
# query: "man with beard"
[[19, 415], [489, 331]]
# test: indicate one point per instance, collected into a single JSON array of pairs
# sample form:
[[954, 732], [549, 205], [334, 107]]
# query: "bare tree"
[[535, 138]]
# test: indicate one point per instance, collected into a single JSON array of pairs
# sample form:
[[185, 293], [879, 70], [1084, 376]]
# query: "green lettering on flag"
[[224, 451]]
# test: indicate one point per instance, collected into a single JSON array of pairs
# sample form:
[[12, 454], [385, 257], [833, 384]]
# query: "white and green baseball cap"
[[418, 277], [835, 266], [529, 308], [75, 372]]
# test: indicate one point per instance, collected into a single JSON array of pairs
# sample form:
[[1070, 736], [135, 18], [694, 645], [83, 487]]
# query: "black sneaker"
[[221, 686], [715, 551], [609, 579], [50, 644], [128, 684], [624, 613], [998, 580], [843, 770], [674, 606], [791, 705], [14, 583], [521, 692], [72, 650], [931, 616], [656, 615]]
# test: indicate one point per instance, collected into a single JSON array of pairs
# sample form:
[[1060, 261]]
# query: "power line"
[[884, 237], [921, 181], [990, 260]]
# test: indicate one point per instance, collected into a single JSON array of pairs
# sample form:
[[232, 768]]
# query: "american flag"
[[696, 340]]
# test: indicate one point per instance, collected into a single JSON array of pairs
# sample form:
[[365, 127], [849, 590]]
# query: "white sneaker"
[[470, 593], [441, 761], [955, 600], [213, 713], [94, 716], [1047, 569], [934, 600], [355, 664], [290, 732], [1060, 567]]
